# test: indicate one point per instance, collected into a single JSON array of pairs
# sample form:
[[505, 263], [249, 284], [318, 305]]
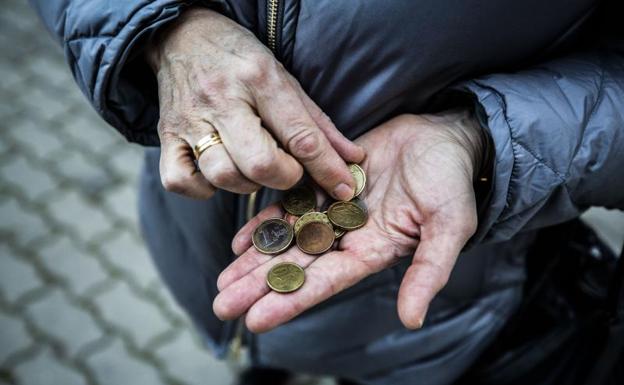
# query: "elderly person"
[[477, 124]]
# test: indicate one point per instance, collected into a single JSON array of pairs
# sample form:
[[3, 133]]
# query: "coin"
[[285, 277], [313, 216], [315, 237], [338, 232], [299, 200], [360, 178], [272, 236], [347, 215]]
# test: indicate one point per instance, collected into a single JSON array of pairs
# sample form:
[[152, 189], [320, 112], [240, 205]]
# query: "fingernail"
[[421, 321], [344, 192]]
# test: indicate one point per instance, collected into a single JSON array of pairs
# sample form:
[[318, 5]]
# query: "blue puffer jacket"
[[549, 76]]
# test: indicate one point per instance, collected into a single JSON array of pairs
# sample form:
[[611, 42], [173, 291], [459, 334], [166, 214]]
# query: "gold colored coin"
[[313, 216], [347, 215], [360, 178], [272, 236], [285, 277], [315, 237], [299, 200]]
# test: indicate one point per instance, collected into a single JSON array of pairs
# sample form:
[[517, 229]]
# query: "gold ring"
[[205, 143]]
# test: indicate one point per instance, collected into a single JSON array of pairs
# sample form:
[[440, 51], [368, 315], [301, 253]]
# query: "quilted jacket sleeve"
[[101, 40], [558, 130]]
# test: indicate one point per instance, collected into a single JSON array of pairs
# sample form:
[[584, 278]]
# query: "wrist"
[[464, 129], [177, 37]]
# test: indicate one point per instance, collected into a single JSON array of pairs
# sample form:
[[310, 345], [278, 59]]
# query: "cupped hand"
[[215, 76], [421, 202]]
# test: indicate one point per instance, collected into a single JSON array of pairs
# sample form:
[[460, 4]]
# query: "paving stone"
[[11, 79], [24, 224], [75, 212], [114, 366], [33, 182], [42, 104], [187, 360], [130, 255], [86, 173], [128, 161], [4, 146], [53, 72], [40, 140], [45, 369], [170, 302], [142, 320], [13, 338], [16, 276], [122, 201], [13, 19], [93, 134], [66, 322], [79, 269]]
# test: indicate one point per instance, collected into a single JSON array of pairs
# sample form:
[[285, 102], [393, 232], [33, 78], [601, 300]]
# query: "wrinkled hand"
[[421, 201], [214, 75]]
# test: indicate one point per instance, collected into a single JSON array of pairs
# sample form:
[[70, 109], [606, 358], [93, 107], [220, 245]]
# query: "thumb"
[[429, 272]]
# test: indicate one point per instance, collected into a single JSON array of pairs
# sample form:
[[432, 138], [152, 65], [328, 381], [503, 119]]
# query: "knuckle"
[[261, 166], [173, 183], [256, 70], [222, 308], [225, 176], [305, 144], [212, 84]]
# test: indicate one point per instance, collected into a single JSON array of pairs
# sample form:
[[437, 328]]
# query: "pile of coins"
[[314, 231]]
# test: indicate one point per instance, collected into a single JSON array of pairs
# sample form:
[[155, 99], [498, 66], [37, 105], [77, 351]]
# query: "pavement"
[[80, 302]]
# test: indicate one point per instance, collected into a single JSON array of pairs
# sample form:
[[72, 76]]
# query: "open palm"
[[421, 202]]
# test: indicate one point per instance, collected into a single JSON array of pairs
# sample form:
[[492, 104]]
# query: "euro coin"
[[315, 237], [285, 277], [313, 216], [272, 236], [347, 215], [359, 176], [299, 200]]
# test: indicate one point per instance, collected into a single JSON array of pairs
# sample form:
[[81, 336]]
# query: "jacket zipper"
[[272, 15]]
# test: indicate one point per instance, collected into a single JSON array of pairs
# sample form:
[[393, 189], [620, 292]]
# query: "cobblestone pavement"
[[80, 302]]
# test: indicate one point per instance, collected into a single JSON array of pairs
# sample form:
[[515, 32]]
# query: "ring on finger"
[[205, 143]]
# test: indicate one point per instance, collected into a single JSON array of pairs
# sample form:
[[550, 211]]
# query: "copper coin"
[[315, 237]]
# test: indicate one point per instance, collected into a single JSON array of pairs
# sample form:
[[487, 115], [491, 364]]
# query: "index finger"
[[283, 111]]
